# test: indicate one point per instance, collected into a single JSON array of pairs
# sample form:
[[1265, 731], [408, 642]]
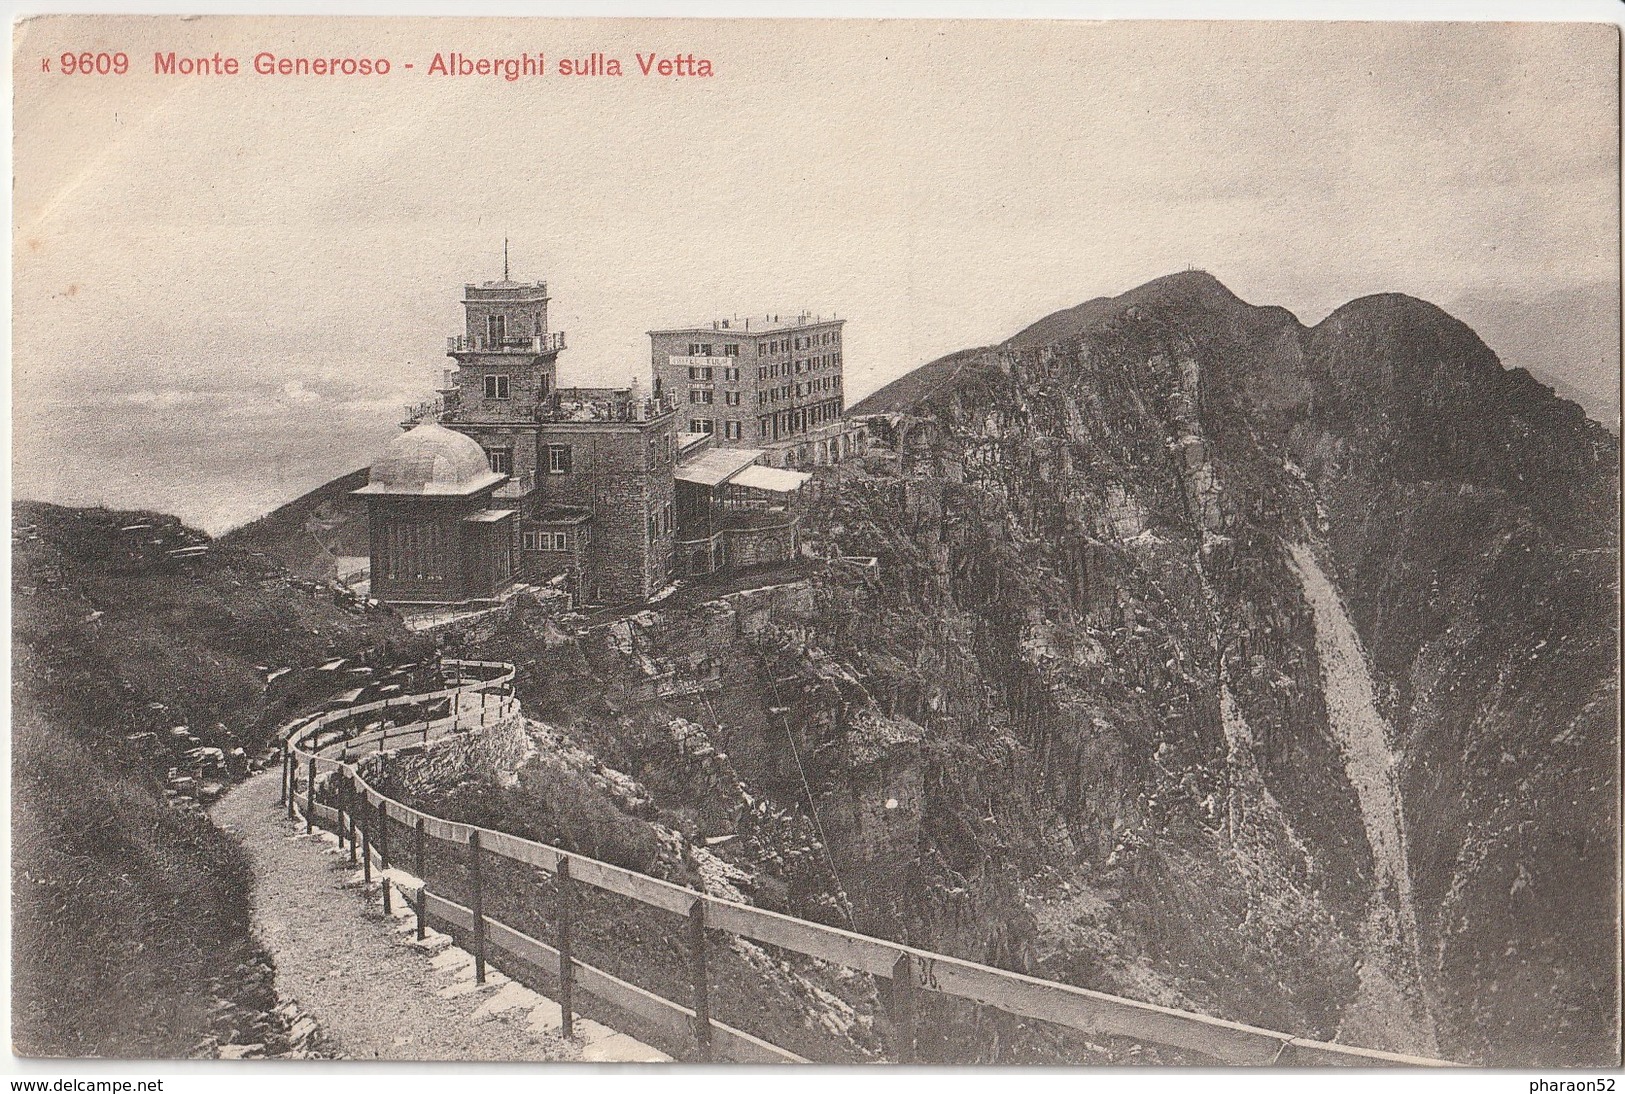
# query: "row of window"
[[707, 397], [702, 374], [732, 429], [794, 421], [703, 349], [808, 364], [797, 391], [784, 345], [414, 552], [558, 460], [768, 348], [545, 541]]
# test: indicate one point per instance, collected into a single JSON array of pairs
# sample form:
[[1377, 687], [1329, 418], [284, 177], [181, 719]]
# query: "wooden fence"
[[328, 745]]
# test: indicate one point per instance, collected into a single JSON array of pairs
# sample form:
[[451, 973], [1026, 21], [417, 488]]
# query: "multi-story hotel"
[[769, 382]]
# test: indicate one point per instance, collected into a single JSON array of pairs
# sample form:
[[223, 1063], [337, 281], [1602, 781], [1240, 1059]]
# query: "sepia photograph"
[[839, 541]]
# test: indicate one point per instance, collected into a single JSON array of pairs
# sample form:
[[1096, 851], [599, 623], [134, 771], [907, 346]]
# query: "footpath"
[[377, 991]]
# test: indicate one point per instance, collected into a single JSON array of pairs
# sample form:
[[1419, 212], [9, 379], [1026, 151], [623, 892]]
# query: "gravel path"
[[378, 992]]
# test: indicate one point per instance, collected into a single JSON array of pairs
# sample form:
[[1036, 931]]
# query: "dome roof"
[[431, 459]]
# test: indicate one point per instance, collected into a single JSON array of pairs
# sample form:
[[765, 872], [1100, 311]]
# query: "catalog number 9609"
[[93, 64]]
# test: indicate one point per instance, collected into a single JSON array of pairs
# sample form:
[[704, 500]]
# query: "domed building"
[[435, 536]]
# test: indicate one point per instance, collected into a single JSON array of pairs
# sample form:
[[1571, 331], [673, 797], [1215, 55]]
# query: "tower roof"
[[431, 460]]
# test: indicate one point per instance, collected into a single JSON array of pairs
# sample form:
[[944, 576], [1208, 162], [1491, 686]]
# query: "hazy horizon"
[[226, 290]]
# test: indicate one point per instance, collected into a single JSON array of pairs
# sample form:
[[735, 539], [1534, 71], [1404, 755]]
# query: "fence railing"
[[364, 814]]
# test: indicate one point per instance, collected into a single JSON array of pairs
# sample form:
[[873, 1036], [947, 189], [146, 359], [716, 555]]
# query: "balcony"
[[541, 343], [589, 405]]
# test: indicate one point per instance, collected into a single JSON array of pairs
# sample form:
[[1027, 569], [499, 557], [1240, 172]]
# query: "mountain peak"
[[1193, 291]]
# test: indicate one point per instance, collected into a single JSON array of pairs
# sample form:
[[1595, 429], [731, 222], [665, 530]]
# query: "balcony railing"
[[562, 408], [541, 343], [430, 410]]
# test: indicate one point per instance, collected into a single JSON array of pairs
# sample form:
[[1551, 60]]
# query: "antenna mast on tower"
[[504, 258]]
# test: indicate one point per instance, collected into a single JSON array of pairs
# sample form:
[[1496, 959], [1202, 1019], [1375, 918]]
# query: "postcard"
[[834, 541]]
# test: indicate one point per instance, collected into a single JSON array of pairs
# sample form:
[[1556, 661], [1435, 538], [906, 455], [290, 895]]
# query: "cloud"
[[295, 393], [169, 400]]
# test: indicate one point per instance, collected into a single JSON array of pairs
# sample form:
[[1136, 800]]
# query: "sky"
[[226, 288]]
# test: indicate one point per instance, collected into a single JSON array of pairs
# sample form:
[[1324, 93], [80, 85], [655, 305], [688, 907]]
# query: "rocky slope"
[[140, 651]]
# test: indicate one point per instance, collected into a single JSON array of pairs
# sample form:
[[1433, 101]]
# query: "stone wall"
[[746, 547], [531, 380], [525, 310], [622, 472]]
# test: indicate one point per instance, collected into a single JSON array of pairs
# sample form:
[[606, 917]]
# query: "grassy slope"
[[290, 533], [124, 908]]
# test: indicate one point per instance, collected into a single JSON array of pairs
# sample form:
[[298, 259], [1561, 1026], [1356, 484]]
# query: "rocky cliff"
[[1303, 647]]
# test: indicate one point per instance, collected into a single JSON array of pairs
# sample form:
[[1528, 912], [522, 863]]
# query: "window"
[[761, 427], [696, 372], [558, 459], [698, 396], [546, 541], [731, 398], [701, 425], [761, 373], [414, 552], [761, 349], [496, 386], [496, 329], [730, 375], [731, 349], [501, 460], [732, 431]]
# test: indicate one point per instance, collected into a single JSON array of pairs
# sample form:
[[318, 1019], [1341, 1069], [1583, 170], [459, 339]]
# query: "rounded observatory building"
[[435, 537]]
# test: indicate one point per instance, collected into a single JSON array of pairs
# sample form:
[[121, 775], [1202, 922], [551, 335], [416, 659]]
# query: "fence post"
[[360, 819], [310, 797], [348, 820], [383, 855], [477, 903], [282, 784], [567, 969], [418, 852], [341, 803], [901, 1007], [702, 990]]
